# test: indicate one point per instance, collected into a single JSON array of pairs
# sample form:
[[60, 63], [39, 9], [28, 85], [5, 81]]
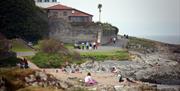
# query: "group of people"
[[89, 81], [126, 36], [23, 63], [86, 45]]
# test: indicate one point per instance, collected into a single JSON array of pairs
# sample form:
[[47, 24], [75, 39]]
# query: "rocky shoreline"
[[151, 68]]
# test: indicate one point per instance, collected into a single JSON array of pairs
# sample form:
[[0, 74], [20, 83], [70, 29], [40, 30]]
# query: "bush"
[[55, 60], [52, 46], [9, 62], [54, 54], [46, 60]]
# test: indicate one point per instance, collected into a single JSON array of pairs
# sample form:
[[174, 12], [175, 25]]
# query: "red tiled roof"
[[59, 6], [80, 13], [63, 7]]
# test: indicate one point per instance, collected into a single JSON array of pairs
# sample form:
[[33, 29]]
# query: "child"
[[89, 81]]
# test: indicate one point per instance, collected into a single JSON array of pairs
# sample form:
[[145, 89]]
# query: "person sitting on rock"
[[114, 70], [120, 78], [26, 65], [89, 81]]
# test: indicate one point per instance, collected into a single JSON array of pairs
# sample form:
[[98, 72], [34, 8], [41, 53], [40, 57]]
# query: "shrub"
[[9, 61], [52, 46], [54, 54]]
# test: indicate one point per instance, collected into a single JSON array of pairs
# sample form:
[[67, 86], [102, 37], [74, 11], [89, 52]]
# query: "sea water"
[[166, 39]]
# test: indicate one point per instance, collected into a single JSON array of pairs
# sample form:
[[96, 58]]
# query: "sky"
[[135, 17]]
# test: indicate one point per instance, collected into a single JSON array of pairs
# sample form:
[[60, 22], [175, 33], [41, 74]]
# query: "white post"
[[99, 37]]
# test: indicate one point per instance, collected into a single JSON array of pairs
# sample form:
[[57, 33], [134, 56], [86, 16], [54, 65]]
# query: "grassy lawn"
[[54, 60], [69, 46], [107, 55], [18, 46]]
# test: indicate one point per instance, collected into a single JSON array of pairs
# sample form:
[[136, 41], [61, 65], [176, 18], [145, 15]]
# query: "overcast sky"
[[135, 17]]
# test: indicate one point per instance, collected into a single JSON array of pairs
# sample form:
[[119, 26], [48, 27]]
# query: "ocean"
[[165, 39]]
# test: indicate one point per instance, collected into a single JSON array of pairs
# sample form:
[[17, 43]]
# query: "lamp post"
[[99, 7]]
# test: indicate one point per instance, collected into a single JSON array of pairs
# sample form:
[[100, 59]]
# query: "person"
[[22, 64], [97, 45], [90, 46], [114, 40], [87, 45], [120, 78], [26, 63], [82, 45], [114, 70], [89, 81], [76, 46], [94, 45]]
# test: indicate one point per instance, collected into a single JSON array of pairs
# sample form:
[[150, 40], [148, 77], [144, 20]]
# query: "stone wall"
[[71, 33]]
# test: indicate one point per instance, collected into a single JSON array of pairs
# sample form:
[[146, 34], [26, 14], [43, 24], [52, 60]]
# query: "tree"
[[21, 18], [99, 7]]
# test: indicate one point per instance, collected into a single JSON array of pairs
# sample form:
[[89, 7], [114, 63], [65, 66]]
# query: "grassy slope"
[[19, 46], [140, 44]]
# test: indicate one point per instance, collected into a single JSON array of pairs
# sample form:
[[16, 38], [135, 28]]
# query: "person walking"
[[114, 40]]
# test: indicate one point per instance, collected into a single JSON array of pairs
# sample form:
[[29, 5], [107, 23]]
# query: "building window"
[[46, 0], [64, 13], [55, 14], [54, 0], [39, 0]]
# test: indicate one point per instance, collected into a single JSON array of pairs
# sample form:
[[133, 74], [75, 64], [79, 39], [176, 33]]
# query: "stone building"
[[68, 33], [71, 25], [67, 13]]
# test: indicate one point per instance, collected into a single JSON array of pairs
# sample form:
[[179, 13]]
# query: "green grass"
[[69, 46], [143, 42], [18, 46], [55, 60], [108, 55], [36, 46]]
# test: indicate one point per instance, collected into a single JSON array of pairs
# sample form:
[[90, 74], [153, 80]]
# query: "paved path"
[[121, 42], [100, 49], [31, 53], [119, 45], [33, 66]]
